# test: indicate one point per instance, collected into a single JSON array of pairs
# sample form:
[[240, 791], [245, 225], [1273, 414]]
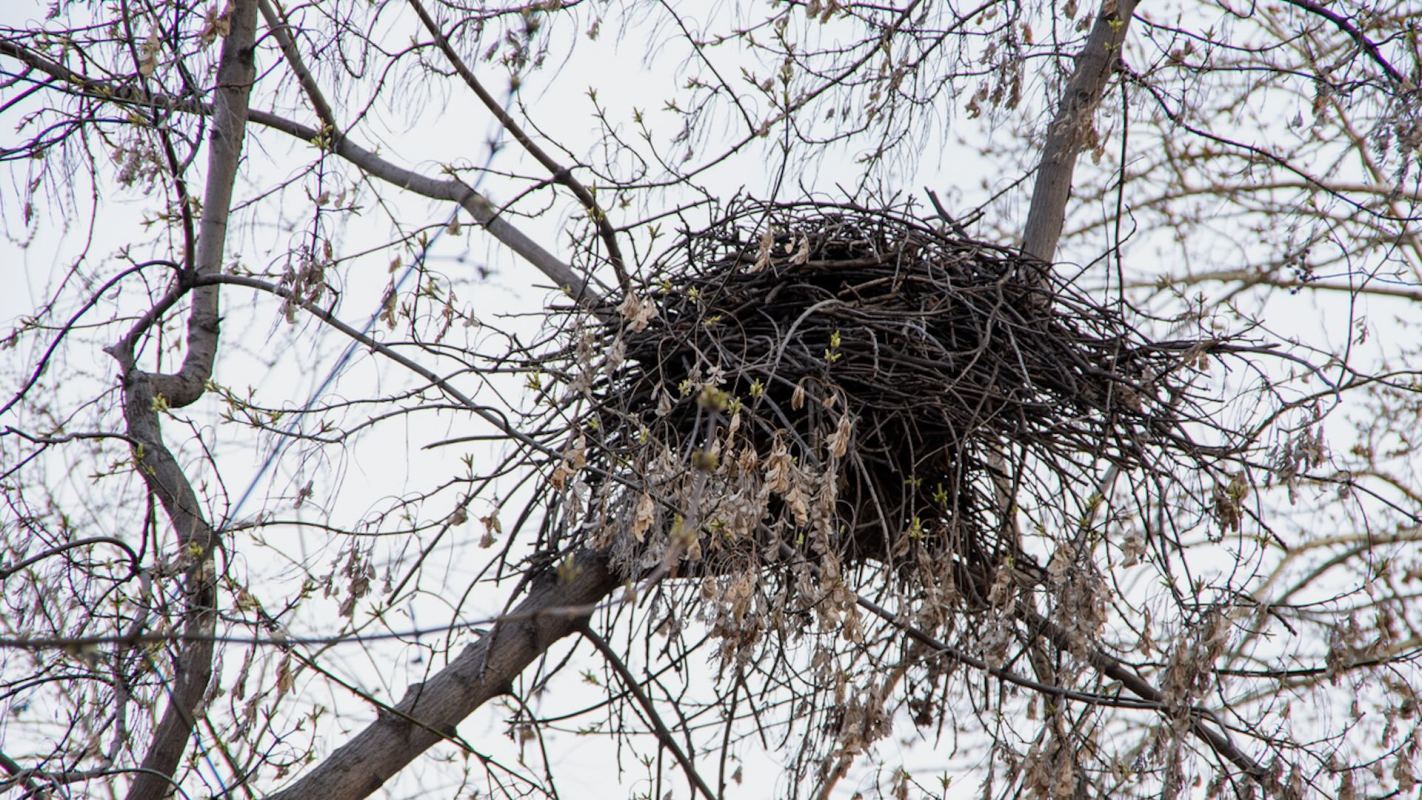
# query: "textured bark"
[[557, 603], [145, 394], [1067, 133], [1065, 138], [192, 668], [235, 73]]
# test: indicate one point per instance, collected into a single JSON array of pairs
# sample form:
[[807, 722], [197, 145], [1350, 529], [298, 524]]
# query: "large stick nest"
[[856, 385]]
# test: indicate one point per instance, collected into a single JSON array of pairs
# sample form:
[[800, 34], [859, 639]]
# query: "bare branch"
[[235, 74], [561, 174], [1356, 34], [281, 30], [145, 394], [484, 212], [483, 671], [663, 735], [1140, 687]]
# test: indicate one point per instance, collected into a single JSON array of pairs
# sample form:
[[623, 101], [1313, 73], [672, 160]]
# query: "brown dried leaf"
[[215, 24], [762, 255], [492, 527], [777, 469], [148, 55], [285, 677], [638, 312], [642, 517], [802, 253], [839, 440]]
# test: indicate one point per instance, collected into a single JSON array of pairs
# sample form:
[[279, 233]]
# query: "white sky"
[[284, 363]]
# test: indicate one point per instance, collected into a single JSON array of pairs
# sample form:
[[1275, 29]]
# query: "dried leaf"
[[215, 24], [777, 469], [802, 253], [492, 527], [839, 440], [762, 256], [638, 312], [642, 517], [285, 678], [148, 55]]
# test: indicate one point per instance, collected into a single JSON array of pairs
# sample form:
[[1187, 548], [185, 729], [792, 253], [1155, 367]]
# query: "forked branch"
[[146, 394], [453, 190], [663, 734], [560, 174]]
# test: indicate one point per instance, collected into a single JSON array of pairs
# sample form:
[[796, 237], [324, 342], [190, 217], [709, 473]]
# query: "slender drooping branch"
[[146, 394], [1115, 669], [1149, 696], [457, 191], [556, 604], [1068, 131]]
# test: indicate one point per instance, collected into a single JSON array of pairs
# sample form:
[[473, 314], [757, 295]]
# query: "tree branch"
[[235, 73], [146, 394], [663, 735], [561, 174], [1368, 45], [1149, 697], [281, 31], [1111, 667], [1067, 133], [450, 189], [555, 606]]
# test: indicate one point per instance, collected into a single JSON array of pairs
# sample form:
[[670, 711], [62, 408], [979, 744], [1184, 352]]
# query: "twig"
[[1113, 668], [1358, 36], [561, 174], [484, 212], [659, 727]]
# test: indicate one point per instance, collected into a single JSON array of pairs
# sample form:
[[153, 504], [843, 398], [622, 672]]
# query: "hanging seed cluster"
[[855, 386]]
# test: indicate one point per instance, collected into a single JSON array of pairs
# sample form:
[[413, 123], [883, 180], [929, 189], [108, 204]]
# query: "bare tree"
[[1082, 468]]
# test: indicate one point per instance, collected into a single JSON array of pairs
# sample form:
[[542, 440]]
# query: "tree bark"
[[558, 602], [1066, 136], [146, 394], [236, 72], [1067, 133]]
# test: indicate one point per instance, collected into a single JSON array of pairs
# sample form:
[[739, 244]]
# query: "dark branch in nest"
[[860, 385]]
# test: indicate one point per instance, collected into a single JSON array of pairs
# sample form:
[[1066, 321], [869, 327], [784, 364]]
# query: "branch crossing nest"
[[857, 385]]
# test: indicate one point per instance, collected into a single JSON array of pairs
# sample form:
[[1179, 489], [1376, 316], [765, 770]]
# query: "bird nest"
[[855, 386]]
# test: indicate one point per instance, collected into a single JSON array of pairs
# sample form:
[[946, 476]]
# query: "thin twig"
[[561, 174], [658, 727]]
